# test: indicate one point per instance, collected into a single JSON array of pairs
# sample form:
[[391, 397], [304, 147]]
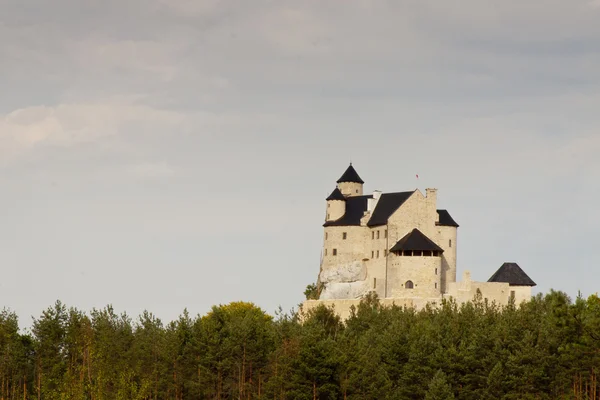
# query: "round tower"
[[350, 183], [336, 205]]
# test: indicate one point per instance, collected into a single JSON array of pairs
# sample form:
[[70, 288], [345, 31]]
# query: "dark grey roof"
[[350, 176], [388, 203], [355, 210], [336, 195], [416, 240], [446, 219], [512, 274]]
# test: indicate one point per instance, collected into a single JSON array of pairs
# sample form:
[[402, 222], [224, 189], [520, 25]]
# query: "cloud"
[[152, 170], [71, 124]]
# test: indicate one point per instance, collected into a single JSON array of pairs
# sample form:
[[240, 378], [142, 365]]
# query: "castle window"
[[377, 234], [407, 253], [436, 285], [449, 242], [374, 283], [385, 253], [512, 295], [327, 215], [377, 253], [325, 251], [356, 190], [372, 254], [344, 235], [335, 252], [436, 271], [436, 253], [385, 234], [417, 253], [372, 235], [326, 235], [409, 285], [427, 253]]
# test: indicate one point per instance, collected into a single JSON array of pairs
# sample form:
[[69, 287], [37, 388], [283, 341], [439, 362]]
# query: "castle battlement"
[[400, 246]]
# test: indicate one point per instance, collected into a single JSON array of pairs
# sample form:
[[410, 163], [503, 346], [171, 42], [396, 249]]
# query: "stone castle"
[[402, 247]]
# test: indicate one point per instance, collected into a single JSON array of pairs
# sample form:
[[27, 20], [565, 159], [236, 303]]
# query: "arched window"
[[408, 285]]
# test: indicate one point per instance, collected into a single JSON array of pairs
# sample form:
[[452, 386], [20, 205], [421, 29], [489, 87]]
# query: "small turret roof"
[[512, 274], [350, 176], [416, 240], [446, 219], [336, 195]]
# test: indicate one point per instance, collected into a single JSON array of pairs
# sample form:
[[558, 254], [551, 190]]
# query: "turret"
[[336, 205], [350, 183]]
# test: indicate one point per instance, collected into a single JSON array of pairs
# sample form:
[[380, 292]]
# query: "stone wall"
[[350, 188], [447, 240], [466, 290], [423, 272], [335, 210]]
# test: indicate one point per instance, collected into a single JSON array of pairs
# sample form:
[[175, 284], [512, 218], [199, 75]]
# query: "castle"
[[400, 246]]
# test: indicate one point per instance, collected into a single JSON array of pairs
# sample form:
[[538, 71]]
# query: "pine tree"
[[439, 389]]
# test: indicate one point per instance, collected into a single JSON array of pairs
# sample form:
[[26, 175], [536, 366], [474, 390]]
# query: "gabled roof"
[[388, 203], [336, 195], [416, 240], [512, 274], [350, 176], [446, 219], [355, 210]]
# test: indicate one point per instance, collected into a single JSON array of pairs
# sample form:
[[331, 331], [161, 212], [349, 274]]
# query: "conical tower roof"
[[350, 176], [416, 240], [336, 195], [512, 274]]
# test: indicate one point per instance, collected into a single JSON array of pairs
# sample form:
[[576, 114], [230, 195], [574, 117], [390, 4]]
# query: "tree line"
[[548, 348]]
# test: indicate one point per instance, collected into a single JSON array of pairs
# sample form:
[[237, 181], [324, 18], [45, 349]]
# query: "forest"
[[548, 348]]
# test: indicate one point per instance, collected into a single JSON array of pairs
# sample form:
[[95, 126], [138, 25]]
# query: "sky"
[[168, 154]]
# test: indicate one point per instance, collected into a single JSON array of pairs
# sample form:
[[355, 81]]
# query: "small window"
[[325, 251], [449, 242], [385, 253], [377, 234], [372, 254], [335, 252], [327, 215], [377, 253], [407, 253], [436, 271], [512, 294], [409, 285], [328, 205], [356, 190], [326, 235], [436, 285], [385, 233], [374, 283], [436, 253], [344, 235], [417, 253], [372, 235], [427, 253]]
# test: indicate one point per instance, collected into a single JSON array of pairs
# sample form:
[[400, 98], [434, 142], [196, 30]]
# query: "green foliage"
[[548, 348], [439, 389], [311, 292]]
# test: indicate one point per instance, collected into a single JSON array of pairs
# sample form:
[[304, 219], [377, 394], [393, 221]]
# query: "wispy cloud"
[[152, 170]]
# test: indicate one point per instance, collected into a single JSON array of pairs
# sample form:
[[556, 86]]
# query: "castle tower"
[[350, 183], [336, 205]]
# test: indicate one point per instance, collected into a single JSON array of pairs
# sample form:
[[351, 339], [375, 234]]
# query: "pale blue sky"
[[162, 154]]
